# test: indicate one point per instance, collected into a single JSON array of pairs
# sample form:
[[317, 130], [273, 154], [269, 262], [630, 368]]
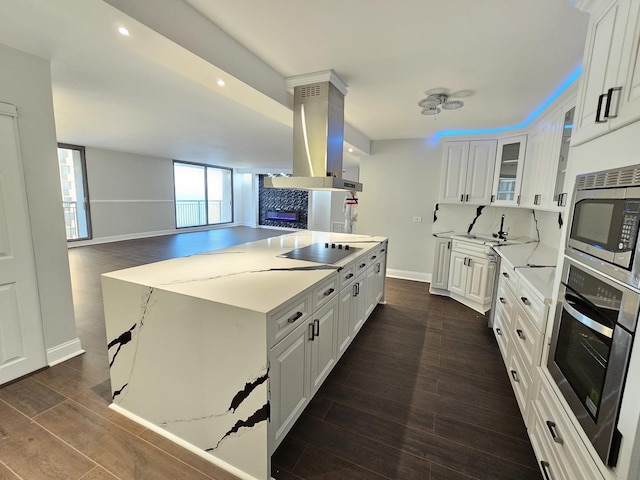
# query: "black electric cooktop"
[[322, 252]]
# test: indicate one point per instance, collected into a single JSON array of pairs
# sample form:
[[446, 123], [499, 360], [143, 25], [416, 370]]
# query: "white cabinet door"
[[323, 343], [601, 63], [289, 380], [344, 334], [467, 171], [454, 168], [442, 257], [508, 170], [480, 168], [359, 304], [22, 348], [532, 167], [479, 288], [458, 273], [629, 74]]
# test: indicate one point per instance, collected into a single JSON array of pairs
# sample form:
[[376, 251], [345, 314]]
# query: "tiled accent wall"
[[282, 199]]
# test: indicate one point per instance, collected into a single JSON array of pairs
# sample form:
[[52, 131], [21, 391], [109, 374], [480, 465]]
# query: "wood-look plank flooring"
[[421, 394]]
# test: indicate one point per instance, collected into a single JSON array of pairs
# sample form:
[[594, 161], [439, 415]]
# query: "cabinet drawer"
[[507, 300], [501, 333], [325, 292], [549, 463], [288, 317], [526, 338], [347, 275], [508, 276], [533, 305], [560, 434], [360, 264], [521, 382], [470, 248]]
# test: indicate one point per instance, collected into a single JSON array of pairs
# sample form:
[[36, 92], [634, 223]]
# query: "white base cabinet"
[[471, 274], [441, 261]]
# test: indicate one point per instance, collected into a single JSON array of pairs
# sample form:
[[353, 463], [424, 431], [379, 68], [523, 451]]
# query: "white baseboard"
[[183, 443], [409, 275], [64, 351]]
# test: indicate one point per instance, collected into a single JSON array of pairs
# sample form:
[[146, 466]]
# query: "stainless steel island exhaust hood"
[[318, 134]]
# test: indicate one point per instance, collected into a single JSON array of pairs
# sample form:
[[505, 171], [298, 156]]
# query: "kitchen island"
[[222, 351]]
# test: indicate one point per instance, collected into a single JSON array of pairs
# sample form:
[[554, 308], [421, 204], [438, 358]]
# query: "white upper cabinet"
[[467, 171], [610, 88], [546, 159], [508, 171]]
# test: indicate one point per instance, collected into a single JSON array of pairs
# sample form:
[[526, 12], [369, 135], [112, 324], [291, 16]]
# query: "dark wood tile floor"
[[420, 394]]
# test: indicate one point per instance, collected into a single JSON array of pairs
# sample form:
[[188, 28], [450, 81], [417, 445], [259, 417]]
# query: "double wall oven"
[[598, 303]]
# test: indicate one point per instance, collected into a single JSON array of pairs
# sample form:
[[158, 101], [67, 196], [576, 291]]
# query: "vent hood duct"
[[318, 134]]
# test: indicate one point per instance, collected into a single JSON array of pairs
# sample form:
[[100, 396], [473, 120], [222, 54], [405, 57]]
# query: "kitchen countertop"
[[251, 275], [535, 262], [483, 238]]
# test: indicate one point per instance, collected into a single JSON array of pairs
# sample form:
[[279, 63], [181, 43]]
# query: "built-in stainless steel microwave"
[[603, 229]]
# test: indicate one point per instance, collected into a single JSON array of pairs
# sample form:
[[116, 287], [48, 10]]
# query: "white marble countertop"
[[483, 238], [249, 275], [536, 264]]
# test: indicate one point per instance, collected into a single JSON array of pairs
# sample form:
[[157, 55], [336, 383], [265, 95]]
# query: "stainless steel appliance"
[[603, 230], [592, 338], [598, 303]]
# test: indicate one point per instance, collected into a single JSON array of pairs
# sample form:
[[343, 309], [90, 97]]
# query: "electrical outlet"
[[417, 219]]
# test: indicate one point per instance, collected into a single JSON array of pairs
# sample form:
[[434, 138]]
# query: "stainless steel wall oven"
[[598, 303], [590, 349]]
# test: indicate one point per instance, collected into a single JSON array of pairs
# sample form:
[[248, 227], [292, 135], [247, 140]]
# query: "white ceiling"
[[147, 94]]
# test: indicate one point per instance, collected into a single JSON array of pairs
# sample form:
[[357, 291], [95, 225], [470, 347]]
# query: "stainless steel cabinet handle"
[[378, 268], [466, 197], [373, 257], [505, 275], [499, 331], [525, 300], [514, 375], [312, 332], [545, 465], [552, 430], [520, 334], [329, 292], [347, 277], [362, 265], [294, 317], [316, 333], [502, 300], [462, 197]]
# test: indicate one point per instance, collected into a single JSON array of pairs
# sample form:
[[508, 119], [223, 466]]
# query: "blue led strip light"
[[532, 116]]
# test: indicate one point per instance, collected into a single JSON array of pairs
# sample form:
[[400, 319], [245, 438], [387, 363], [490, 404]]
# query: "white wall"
[[401, 180], [26, 82], [129, 194]]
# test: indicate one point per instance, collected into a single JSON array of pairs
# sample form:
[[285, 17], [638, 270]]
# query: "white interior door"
[[22, 348]]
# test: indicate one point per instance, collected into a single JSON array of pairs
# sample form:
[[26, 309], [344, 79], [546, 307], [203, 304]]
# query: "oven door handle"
[[586, 321]]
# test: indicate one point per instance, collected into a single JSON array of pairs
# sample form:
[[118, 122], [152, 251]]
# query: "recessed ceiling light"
[[220, 82], [350, 150], [123, 31]]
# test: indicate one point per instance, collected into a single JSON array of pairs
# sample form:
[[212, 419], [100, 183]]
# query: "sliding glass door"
[[203, 194], [75, 195]]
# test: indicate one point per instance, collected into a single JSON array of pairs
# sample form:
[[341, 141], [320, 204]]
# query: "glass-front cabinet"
[[508, 172]]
